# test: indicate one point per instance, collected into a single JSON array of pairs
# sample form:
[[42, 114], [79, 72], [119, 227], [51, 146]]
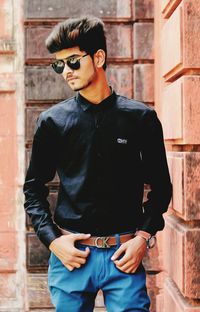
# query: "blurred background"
[[153, 57]]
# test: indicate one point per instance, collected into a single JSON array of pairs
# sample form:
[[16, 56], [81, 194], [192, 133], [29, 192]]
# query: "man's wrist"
[[150, 240], [53, 243], [143, 234]]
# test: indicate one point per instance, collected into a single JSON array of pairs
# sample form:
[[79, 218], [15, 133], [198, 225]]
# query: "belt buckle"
[[104, 240]]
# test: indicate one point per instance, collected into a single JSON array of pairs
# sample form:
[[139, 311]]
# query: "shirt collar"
[[85, 104]]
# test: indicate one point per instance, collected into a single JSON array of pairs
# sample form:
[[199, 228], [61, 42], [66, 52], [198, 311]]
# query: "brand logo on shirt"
[[122, 141]]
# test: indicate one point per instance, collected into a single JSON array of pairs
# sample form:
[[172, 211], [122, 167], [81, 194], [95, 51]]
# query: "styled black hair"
[[87, 33]]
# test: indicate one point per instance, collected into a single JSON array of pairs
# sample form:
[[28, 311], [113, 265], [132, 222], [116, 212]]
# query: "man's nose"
[[67, 69]]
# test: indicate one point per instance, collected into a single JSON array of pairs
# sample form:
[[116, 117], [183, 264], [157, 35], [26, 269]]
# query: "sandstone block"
[[64, 9], [181, 255], [181, 109], [6, 16], [185, 175], [7, 287], [8, 251], [8, 114], [177, 177], [117, 48], [8, 159], [143, 82], [120, 78], [37, 253], [175, 301], [171, 114], [171, 37], [152, 290], [191, 185], [191, 109], [42, 83], [7, 83], [38, 292], [143, 38], [6, 61], [159, 303], [180, 32], [143, 9], [7, 199]]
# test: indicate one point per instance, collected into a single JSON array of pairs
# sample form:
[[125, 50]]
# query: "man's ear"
[[99, 58]]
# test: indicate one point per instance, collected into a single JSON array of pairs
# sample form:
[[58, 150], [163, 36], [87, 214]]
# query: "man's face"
[[82, 78]]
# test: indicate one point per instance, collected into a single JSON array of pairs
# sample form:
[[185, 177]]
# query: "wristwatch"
[[150, 239]]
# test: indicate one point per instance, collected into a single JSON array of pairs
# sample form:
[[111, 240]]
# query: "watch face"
[[151, 242]]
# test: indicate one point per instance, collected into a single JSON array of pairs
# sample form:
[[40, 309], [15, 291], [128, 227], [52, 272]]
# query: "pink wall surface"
[[153, 57], [177, 67]]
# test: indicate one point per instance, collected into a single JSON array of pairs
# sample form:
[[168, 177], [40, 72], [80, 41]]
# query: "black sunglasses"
[[72, 62]]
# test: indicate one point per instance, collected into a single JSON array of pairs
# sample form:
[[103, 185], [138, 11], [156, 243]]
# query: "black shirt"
[[103, 155]]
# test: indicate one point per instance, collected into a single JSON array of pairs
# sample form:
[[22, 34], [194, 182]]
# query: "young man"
[[104, 147]]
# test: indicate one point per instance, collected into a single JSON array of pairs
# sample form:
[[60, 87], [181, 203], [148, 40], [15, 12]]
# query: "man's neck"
[[96, 94]]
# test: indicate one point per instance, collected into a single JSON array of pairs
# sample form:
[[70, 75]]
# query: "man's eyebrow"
[[73, 55]]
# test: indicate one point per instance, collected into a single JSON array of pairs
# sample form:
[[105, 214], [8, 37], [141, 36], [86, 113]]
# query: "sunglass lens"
[[58, 66], [73, 65]]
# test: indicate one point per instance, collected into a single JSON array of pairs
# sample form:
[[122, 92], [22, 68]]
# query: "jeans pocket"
[[139, 269], [54, 261]]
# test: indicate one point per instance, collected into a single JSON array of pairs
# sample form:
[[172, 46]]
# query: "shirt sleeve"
[[42, 169], [155, 173]]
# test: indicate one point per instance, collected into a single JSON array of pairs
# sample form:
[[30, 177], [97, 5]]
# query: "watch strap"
[[143, 234], [150, 240]]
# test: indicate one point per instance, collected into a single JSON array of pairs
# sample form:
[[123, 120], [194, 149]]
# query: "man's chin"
[[75, 88], [79, 88]]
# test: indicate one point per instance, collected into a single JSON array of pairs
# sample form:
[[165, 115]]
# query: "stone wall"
[[173, 266], [177, 84], [12, 221]]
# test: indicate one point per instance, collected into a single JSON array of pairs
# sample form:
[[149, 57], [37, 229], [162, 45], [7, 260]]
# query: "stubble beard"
[[87, 83], [82, 87]]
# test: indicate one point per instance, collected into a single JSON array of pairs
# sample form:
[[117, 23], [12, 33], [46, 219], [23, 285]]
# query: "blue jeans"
[[75, 291]]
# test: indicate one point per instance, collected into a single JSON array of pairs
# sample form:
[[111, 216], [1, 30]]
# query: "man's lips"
[[72, 78]]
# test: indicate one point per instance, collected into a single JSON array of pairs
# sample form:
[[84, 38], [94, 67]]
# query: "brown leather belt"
[[102, 241]]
